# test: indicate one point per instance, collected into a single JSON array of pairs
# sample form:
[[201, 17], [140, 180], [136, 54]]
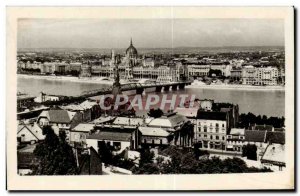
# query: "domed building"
[[131, 60], [131, 51]]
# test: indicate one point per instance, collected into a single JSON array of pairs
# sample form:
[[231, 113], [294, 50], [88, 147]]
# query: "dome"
[[131, 50]]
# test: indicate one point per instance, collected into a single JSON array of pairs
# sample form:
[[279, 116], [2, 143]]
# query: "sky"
[[149, 33]]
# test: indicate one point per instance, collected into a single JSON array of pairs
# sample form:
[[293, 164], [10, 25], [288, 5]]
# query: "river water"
[[270, 103]]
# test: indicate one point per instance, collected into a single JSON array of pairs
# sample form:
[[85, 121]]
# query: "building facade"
[[259, 75]]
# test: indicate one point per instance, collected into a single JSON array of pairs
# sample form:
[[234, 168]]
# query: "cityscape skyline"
[[149, 33]]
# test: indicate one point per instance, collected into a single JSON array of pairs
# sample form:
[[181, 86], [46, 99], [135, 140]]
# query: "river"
[[270, 103]]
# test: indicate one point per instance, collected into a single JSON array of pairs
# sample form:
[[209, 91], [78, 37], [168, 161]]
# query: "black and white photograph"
[[170, 93]]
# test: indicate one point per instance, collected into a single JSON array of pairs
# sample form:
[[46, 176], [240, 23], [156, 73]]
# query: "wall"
[[28, 136]]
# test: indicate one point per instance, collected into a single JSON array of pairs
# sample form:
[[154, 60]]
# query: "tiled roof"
[[212, 115], [255, 136], [277, 137], [278, 129], [187, 112], [84, 127], [60, 116], [169, 121], [128, 121], [236, 131], [153, 131], [111, 136], [88, 104], [72, 107], [275, 153], [262, 127], [104, 119], [34, 129]]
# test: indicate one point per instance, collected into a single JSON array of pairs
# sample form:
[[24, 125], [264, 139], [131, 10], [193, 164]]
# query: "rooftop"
[[58, 116], [111, 135], [275, 154], [153, 131], [237, 131], [277, 137], [129, 121], [255, 136], [169, 120], [84, 127], [187, 112], [262, 127], [212, 115]]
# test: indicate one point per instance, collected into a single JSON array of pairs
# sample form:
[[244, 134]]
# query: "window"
[[211, 137], [205, 128], [223, 125], [217, 137], [223, 138], [205, 136]]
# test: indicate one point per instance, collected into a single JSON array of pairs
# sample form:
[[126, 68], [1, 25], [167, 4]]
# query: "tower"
[[131, 60], [116, 89]]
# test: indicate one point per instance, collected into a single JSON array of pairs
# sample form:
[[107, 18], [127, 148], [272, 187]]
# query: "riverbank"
[[91, 80], [237, 87]]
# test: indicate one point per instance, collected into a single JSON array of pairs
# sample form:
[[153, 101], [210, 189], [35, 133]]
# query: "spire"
[[131, 41]]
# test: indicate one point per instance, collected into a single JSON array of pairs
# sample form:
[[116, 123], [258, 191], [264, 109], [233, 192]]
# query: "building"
[[264, 127], [86, 70], [211, 129], [257, 138], [236, 74], [235, 140], [131, 67], [202, 70], [223, 67], [29, 134], [275, 137], [44, 98], [259, 76], [89, 110], [24, 101], [195, 71], [274, 157], [59, 120], [129, 121], [179, 127], [79, 134], [206, 104], [26, 160], [115, 137], [153, 136]]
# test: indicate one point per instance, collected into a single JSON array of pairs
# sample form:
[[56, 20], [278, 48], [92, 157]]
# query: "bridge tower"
[[116, 89]]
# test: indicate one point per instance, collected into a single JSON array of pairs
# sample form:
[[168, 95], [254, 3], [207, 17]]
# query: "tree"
[[249, 151], [105, 153], [146, 157], [155, 113], [55, 155]]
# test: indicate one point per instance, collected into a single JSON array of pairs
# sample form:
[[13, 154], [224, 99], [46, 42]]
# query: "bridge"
[[139, 87]]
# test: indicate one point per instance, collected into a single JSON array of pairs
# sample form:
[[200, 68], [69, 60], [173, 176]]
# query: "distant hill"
[[177, 50]]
